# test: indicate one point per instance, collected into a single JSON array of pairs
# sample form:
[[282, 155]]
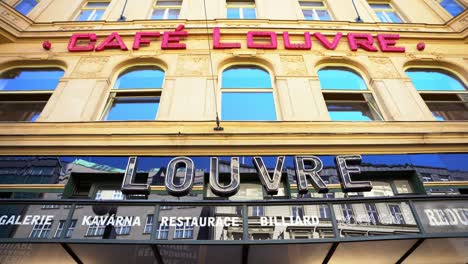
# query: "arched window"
[[347, 96], [247, 94], [444, 93], [25, 92], [136, 94]]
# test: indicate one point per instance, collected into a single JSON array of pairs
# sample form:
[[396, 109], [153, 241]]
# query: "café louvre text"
[[307, 170], [173, 40]]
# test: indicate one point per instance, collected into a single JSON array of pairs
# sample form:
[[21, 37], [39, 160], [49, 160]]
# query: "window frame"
[[186, 229], [36, 95], [42, 229], [314, 8], [241, 5], [271, 90], [374, 106], [94, 10], [424, 94], [140, 93], [166, 9], [386, 10]]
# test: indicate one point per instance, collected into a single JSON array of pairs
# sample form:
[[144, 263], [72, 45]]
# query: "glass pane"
[[308, 3], [379, 219], [140, 78], [168, 3], [110, 254], [380, 189], [248, 106], [287, 222], [394, 17], [137, 108], [84, 15], [434, 80], [289, 254], [29, 79], [97, 4], [20, 111], [97, 15], [382, 17], [323, 15], [452, 6], [340, 79], [249, 13], [350, 111], [173, 13], [158, 14], [448, 110], [381, 6], [195, 254], [441, 250], [22, 253], [233, 13], [245, 77], [403, 186], [25, 6], [389, 251], [308, 14]]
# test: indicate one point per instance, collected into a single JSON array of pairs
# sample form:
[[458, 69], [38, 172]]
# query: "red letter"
[[306, 46], [364, 41], [113, 41], [387, 43], [171, 38], [252, 45], [217, 41], [324, 41], [72, 47], [140, 38]]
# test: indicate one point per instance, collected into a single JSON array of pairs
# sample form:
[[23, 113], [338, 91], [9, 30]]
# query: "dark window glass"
[[372, 213], [449, 110], [25, 6], [30, 79], [350, 111], [21, 111], [140, 78], [246, 77], [337, 78]]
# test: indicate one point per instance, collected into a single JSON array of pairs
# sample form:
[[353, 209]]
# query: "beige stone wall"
[[191, 93]]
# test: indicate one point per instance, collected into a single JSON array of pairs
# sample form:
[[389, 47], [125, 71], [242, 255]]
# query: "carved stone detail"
[[193, 65], [90, 67], [383, 67], [293, 65]]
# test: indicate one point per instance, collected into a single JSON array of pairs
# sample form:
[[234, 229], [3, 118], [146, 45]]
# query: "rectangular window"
[[166, 9], [95, 230], [185, 230], [109, 195], [163, 231], [123, 230], [25, 6], [58, 232], [123, 108], [397, 216], [372, 213], [149, 224], [92, 11], [50, 206], [257, 211], [324, 211], [348, 212], [403, 186], [449, 106], [240, 9], [248, 106], [314, 10], [454, 7], [386, 13], [297, 211], [351, 106], [41, 231]]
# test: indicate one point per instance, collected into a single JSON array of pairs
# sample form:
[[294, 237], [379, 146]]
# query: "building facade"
[[201, 131]]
